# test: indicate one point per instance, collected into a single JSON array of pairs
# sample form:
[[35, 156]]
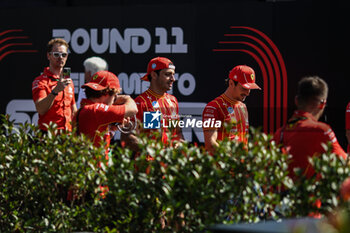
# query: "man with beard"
[[53, 94], [160, 74]]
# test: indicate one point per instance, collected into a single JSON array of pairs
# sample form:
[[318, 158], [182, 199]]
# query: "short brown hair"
[[150, 76], [311, 90], [228, 80], [54, 41]]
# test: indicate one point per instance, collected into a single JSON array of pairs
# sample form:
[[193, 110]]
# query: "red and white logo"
[[14, 41]]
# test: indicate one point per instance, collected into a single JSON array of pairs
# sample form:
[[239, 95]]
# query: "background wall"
[[282, 40]]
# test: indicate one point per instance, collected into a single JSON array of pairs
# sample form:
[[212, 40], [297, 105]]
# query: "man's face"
[[239, 92], [58, 56], [164, 81]]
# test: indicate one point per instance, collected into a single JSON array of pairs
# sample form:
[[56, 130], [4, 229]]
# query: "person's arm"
[[74, 104], [130, 111], [74, 110], [130, 140], [43, 105], [337, 149], [130, 105], [329, 136], [211, 134], [210, 137]]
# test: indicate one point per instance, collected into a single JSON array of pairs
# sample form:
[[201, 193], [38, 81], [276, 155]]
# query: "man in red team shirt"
[[103, 107], [229, 108], [160, 74], [303, 135], [101, 110], [53, 94]]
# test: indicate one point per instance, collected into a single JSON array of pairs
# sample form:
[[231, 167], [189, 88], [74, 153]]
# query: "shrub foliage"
[[161, 188]]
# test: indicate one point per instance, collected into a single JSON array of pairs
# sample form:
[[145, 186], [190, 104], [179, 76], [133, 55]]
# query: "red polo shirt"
[[302, 137], [61, 109]]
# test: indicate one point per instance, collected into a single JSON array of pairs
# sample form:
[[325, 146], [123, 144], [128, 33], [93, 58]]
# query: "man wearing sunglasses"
[[53, 94]]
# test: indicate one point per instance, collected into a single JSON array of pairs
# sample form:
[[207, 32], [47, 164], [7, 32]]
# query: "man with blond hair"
[[53, 93]]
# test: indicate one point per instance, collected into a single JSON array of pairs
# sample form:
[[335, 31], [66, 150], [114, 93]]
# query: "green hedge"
[[184, 189]]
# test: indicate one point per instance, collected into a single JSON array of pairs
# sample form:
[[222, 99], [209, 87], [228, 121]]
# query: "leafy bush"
[[36, 173], [323, 186], [181, 189], [189, 189]]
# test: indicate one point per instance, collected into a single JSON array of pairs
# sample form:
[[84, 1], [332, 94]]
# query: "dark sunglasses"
[[59, 54]]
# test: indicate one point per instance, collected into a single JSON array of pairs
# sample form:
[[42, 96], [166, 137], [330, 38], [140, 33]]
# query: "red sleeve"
[[210, 112], [337, 149], [106, 114], [347, 117], [39, 89]]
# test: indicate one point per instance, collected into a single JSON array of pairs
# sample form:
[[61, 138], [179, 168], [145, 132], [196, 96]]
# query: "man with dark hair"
[[303, 135], [230, 109], [160, 74], [53, 94], [103, 107]]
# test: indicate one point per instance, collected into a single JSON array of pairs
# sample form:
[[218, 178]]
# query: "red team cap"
[[158, 63], [101, 80], [245, 76]]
